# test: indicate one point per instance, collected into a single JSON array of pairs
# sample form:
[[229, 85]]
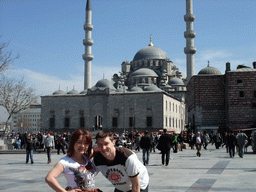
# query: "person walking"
[[30, 146], [218, 141], [181, 141], [198, 142], [241, 140], [60, 144], [49, 144], [231, 142], [145, 145], [164, 145], [120, 166], [175, 143], [206, 140]]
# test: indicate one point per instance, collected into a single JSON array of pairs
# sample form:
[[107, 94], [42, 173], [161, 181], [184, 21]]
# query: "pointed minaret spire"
[[150, 44], [189, 34], [88, 42]]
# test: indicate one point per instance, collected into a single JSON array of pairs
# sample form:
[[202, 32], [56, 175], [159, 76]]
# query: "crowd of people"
[[114, 154]]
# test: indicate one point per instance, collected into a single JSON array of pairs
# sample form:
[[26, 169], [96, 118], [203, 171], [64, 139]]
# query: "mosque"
[[148, 94]]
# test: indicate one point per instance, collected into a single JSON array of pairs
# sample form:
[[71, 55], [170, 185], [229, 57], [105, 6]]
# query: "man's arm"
[[135, 183]]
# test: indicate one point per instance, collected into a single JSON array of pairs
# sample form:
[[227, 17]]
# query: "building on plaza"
[[222, 101], [28, 120], [148, 94]]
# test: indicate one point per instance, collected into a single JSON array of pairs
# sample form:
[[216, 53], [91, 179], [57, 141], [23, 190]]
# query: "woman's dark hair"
[[75, 136]]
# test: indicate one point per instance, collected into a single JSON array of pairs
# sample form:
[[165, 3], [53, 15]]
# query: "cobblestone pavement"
[[213, 171]]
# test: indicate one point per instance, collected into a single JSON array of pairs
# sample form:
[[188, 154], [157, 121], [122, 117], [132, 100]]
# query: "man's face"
[[106, 147]]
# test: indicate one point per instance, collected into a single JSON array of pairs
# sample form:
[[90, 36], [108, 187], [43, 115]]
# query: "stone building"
[[28, 120], [222, 101], [149, 93]]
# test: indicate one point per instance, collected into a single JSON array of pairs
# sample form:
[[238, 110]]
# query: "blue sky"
[[48, 36]]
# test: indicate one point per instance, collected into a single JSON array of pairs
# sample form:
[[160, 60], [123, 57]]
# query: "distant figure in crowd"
[[218, 140], [198, 142], [60, 144], [181, 141], [241, 140], [49, 144], [145, 145], [175, 143], [120, 166], [76, 166], [206, 140], [231, 142], [164, 145], [30, 146]]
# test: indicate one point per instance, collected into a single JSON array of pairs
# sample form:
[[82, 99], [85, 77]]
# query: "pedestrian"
[[49, 144], [218, 141], [120, 166], [76, 166], [198, 142], [137, 142], [231, 142], [164, 145], [145, 145], [206, 140], [241, 140], [181, 140], [60, 144], [30, 146], [175, 143]]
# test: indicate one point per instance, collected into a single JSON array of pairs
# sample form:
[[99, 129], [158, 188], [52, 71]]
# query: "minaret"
[[189, 34], [88, 42]]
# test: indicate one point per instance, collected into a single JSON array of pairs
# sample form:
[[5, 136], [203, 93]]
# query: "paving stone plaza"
[[213, 171]]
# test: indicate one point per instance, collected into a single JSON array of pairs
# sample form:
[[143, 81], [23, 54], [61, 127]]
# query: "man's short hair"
[[165, 130], [105, 133], [145, 132]]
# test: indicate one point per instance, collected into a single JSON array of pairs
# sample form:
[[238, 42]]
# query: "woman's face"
[[81, 145]]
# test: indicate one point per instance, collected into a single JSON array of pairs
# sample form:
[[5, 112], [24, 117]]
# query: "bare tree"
[[6, 57], [15, 96]]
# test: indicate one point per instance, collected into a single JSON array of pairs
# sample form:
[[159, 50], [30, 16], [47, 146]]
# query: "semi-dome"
[[176, 81], [72, 92], [209, 71], [59, 92], [151, 52], [144, 72], [136, 89], [104, 83], [152, 88]]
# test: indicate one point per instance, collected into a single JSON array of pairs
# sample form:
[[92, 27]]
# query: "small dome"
[[144, 72], [136, 89], [150, 52], [209, 71], [104, 83], [153, 88], [59, 92], [176, 81], [72, 92]]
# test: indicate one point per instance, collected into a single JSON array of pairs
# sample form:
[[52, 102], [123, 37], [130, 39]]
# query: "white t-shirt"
[[79, 175], [125, 165]]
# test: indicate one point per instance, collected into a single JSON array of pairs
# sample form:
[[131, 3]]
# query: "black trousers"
[[165, 156]]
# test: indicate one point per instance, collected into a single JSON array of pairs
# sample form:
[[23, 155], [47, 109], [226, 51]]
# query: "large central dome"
[[150, 52]]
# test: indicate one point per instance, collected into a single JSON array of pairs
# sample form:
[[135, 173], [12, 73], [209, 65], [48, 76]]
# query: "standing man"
[[120, 165], [231, 143], [30, 145], [145, 145], [241, 138], [49, 144], [164, 145]]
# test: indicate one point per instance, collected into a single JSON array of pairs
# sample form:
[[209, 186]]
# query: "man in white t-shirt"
[[120, 166]]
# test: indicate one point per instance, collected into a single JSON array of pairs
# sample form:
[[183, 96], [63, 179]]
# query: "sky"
[[48, 36]]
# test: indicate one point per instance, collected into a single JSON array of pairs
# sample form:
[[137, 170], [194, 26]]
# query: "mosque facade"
[[148, 94]]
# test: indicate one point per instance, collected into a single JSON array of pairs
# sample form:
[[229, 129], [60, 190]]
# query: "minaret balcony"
[[190, 17], [190, 50], [87, 42], [87, 57], [88, 27], [189, 34]]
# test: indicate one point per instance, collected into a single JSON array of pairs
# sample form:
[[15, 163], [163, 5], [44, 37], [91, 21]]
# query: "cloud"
[[46, 84]]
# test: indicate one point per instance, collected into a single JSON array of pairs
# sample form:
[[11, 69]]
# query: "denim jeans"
[[145, 158], [29, 153]]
